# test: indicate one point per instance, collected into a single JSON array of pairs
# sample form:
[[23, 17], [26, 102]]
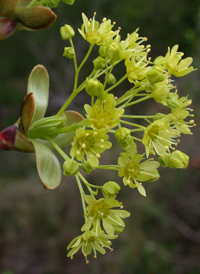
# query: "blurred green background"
[[163, 233]]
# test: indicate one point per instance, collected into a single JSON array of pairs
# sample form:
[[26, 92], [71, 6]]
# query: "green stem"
[[137, 139], [117, 83], [132, 124], [108, 167], [129, 95], [107, 75], [59, 150], [138, 116], [75, 91], [82, 193], [88, 185], [138, 101]]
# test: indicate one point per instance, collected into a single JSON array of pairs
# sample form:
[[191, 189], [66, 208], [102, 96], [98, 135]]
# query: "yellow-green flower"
[[173, 63], [102, 214], [159, 137], [90, 143], [134, 172], [96, 33], [103, 113], [90, 242]]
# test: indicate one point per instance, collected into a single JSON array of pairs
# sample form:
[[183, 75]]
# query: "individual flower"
[[134, 172], [89, 143], [89, 241], [101, 213], [20, 15], [132, 46], [159, 136], [96, 33], [173, 64], [104, 114], [136, 68], [28, 133], [180, 111]]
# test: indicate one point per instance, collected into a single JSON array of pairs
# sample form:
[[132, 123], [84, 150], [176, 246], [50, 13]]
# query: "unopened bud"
[[99, 63], [94, 87], [87, 167], [178, 159], [68, 52], [114, 52], [67, 32], [70, 167], [111, 79], [155, 76], [110, 188]]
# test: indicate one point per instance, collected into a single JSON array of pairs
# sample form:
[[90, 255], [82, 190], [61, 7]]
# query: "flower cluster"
[[106, 115]]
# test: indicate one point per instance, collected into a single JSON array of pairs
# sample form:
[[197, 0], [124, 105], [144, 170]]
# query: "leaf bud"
[[67, 32], [71, 167], [94, 87], [110, 188]]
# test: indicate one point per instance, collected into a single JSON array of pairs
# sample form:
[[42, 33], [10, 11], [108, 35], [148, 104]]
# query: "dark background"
[[163, 233]]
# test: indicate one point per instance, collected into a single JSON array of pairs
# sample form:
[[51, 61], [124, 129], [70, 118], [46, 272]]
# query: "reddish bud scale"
[[7, 137]]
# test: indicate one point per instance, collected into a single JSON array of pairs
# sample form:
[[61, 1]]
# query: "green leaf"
[[48, 166], [38, 84]]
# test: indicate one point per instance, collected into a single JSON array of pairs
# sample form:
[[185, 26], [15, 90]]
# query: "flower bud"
[[71, 167], [68, 52], [87, 167], [99, 63], [94, 87], [111, 79], [155, 76], [164, 160], [102, 51], [178, 159], [67, 32], [123, 137], [110, 188], [114, 52], [172, 101]]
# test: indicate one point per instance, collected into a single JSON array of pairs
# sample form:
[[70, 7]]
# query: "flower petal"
[[38, 84], [34, 18], [48, 166]]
